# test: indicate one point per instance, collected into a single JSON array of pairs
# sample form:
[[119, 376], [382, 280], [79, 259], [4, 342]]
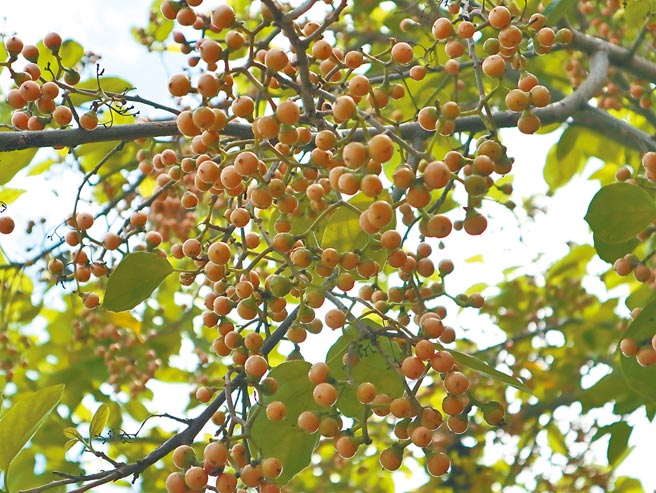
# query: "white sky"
[[104, 27]]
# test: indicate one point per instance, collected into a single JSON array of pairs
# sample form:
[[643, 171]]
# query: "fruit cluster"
[[278, 204], [645, 354]]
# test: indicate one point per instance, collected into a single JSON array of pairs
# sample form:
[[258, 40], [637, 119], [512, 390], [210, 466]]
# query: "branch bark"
[[15, 141], [572, 106]]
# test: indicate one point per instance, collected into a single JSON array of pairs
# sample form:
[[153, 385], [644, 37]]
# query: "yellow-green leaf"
[[473, 363], [373, 365], [8, 195], [134, 280], [283, 439], [641, 379], [620, 211], [23, 420], [72, 433], [610, 252], [99, 420], [69, 444], [107, 84], [558, 9], [14, 161]]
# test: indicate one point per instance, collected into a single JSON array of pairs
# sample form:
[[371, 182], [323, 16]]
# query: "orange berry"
[[494, 66], [223, 16], [390, 459], [335, 319], [243, 107], [499, 17], [456, 383], [438, 464], [6, 225], [540, 96], [179, 85], [343, 108], [308, 421], [412, 367], [528, 123], [276, 411], [442, 28], [402, 53], [288, 113], [427, 118], [209, 50], [256, 366], [380, 148], [517, 100], [325, 394]]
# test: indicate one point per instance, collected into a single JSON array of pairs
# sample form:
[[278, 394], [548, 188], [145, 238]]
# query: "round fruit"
[[256, 366], [325, 394], [184, 456], [456, 383], [390, 459], [438, 464], [276, 411], [6, 225]]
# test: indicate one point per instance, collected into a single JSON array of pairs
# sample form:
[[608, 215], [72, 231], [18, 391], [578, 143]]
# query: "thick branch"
[[618, 56], [14, 141], [555, 112], [573, 106]]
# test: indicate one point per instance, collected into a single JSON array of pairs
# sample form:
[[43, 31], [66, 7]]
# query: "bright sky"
[[104, 27]]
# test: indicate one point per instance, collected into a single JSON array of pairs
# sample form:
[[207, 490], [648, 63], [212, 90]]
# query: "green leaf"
[[637, 11], [342, 230], [557, 9], [572, 265], [642, 296], [9, 195], [620, 211], [473, 363], [134, 280], [99, 420], [556, 440], [619, 441], [610, 252], [641, 379], [71, 52], [73, 434], [372, 366], [42, 167], [4, 55], [70, 443], [24, 419], [283, 439], [163, 29], [14, 161], [107, 84], [625, 484], [20, 475], [563, 160]]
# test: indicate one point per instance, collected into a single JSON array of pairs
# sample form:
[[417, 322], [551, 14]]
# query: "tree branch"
[[14, 141], [573, 105], [186, 436], [618, 56]]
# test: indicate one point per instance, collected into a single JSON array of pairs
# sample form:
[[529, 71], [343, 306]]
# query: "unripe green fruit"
[[279, 286], [493, 413], [476, 185]]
